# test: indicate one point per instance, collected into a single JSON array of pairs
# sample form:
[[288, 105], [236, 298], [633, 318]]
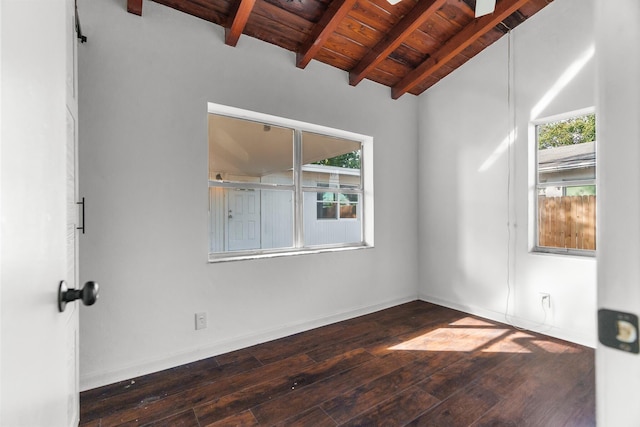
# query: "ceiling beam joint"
[[455, 45], [135, 7], [336, 12], [238, 19], [398, 34]]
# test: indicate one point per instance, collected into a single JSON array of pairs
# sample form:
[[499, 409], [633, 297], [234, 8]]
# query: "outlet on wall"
[[201, 320], [545, 299]]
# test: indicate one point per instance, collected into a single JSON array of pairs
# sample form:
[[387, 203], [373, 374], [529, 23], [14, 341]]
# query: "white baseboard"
[[100, 378], [549, 330]]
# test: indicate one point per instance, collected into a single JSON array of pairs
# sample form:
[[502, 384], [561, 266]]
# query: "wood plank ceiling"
[[408, 47]]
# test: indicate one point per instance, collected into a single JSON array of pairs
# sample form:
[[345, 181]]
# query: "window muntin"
[[337, 205], [266, 176], [565, 171]]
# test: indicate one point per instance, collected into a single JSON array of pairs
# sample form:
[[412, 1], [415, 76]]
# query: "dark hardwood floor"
[[416, 364]]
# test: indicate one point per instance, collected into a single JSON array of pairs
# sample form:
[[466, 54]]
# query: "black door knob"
[[88, 294]]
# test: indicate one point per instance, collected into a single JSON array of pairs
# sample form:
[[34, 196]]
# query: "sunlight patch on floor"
[[452, 339], [515, 342], [472, 321], [470, 334]]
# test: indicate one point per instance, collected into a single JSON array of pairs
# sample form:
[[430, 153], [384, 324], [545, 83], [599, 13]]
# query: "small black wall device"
[[618, 330]]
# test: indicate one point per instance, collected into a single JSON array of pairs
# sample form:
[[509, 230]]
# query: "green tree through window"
[[567, 132], [348, 160]]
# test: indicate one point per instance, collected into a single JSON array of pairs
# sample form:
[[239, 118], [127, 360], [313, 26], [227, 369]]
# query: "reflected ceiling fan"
[[485, 7]]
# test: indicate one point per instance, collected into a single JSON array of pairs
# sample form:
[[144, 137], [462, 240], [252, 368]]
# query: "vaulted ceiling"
[[408, 46]]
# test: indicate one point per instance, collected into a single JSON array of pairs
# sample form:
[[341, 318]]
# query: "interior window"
[[276, 186]]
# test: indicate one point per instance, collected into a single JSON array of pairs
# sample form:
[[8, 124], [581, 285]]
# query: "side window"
[[276, 185], [566, 184]]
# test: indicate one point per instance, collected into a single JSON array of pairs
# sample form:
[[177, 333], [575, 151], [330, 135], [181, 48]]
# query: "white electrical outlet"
[[545, 299], [201, 320]]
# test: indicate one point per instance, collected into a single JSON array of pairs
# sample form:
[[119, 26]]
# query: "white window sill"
[[564, 252], [239, 256]]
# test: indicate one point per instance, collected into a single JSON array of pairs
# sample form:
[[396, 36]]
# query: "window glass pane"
[[249, 219], [327, 206], [567, 217], [567, 150], [337, 206], [274, 185], [566, 172], [331, 218], [349, 206], [330, 162], [245, 151]]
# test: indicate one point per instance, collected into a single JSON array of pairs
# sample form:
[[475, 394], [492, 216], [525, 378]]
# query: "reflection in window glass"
[[245, 151], [349, 206], [327, 206], [275, 187], [333, 164], [337, 205], [330, 162]]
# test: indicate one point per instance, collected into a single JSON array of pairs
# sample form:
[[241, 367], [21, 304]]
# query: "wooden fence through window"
[[567, 222]]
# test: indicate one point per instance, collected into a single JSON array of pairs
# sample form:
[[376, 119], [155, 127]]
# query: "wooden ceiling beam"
[[336, 12], [456, 44], [135, 7], [238, 18], [398, 34]]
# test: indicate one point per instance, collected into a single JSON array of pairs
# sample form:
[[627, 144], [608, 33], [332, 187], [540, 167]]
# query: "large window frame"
[[536, 186], [364, 190]]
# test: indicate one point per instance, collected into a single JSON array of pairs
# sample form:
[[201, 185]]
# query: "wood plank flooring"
[[416, 364]]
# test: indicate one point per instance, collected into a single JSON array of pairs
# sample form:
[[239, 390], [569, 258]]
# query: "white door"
[[38, 364], [618, 133], [243, 219]]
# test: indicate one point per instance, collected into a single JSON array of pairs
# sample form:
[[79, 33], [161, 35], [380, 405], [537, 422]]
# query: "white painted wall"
[[144, 87], [475, 188], [617, 35]]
